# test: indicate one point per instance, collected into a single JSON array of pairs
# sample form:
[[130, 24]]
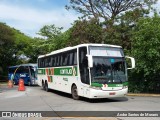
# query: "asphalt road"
[[36, 99]]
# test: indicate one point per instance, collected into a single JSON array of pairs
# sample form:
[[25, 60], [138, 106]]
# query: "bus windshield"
[[108, 70]]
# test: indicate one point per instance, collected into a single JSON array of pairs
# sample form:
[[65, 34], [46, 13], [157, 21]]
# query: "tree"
[[6, 45], [21, 46], [145, 49], [50, 31], [52, 39], [85, 32], [14, 47], [122, 32], [116, 17], [107, 9], [51, 35], [38, 46]]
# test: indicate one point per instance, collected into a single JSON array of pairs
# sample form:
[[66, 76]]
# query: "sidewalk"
[[143, 94]]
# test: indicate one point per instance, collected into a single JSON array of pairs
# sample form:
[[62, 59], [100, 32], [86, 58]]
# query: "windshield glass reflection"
[[108, 70]]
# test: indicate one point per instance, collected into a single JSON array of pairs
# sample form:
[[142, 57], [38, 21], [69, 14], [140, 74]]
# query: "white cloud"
[[29, 20]]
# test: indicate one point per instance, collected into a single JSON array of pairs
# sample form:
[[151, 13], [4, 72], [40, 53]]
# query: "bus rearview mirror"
[[90, 61], [132, 62]]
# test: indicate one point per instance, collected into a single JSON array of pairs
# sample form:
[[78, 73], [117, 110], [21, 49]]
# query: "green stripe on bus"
[[109, 85], [68, 71], [115, 85], [125, 84], [41, 71], [96, 84]]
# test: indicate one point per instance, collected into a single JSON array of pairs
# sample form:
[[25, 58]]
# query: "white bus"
[[87, 70]]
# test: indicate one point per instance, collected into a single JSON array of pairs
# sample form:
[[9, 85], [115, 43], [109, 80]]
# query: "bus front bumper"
[[108, 94]]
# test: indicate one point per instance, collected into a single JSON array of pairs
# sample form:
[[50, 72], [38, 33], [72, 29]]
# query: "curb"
[[143, 95]]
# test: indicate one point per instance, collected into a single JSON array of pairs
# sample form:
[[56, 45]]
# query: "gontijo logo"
[[66, 71]]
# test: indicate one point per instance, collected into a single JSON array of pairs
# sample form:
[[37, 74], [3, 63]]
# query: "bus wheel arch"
[[74, 92]]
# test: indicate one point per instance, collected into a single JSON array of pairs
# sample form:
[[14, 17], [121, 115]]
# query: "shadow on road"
[[98, 100], [103, 100]]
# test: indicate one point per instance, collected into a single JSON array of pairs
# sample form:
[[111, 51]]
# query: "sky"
[[29, 16]]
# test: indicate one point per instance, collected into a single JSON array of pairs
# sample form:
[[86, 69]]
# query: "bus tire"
[[46, 87], [29, 83], [15, 83], [43, 85], [74, 92]]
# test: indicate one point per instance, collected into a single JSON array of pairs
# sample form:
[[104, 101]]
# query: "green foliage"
[[145, 49], [14, 46], [146, 45], [6, 42], [21, 46], [121, 32], [53, 37], [85, 32], [37, 47], [50, 31]]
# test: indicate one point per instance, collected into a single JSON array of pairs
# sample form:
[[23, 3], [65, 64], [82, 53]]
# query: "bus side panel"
[[64, 84], [41, 76], [60, 82]]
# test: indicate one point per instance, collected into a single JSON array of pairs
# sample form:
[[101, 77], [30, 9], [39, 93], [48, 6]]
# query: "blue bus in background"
[[27, 72]]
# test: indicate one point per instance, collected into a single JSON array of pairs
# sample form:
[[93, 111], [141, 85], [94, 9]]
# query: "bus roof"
[[80, 45], [29, 64]]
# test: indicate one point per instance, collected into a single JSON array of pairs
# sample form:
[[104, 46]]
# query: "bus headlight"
[[97, 88]]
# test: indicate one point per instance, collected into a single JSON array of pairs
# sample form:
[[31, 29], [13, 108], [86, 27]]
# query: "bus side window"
[[71, 58], [67, 59], [55, 58], [60, 60], [75, 58], [57, 61], [64, 59], [49, 61], [42, 63], [53, 61], [45, 61], [39, 63], [83, 65]]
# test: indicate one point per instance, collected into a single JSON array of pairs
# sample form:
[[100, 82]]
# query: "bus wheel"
[[43, 85], [46, 87], [74, 92], [29, 83], [15, 83]]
